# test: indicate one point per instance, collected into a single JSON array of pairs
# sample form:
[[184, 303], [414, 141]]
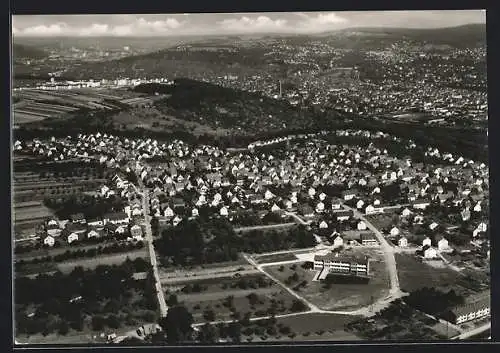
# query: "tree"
[[209, 315], [177, 324], [98, 322], [113, 321], [208, 334], [172, 300], [297, 306], [63, 328]]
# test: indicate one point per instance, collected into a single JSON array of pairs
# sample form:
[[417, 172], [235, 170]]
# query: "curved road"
[[388, 250]]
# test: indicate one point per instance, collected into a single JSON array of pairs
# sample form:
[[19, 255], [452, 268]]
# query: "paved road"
[[255, 318], [152, 254], [297, 218], [388, 250], [264, 227]]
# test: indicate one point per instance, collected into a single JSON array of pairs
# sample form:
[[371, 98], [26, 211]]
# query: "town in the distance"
[[251, 188]]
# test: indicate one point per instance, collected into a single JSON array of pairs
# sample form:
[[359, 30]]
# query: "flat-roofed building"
[[337, 264]]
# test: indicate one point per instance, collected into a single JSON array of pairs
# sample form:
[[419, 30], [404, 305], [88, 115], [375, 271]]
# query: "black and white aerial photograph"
[[250, 178]]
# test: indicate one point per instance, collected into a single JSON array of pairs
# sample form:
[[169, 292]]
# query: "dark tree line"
[[198, 242]]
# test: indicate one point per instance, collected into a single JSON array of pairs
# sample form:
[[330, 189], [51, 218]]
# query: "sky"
[[234, 23]]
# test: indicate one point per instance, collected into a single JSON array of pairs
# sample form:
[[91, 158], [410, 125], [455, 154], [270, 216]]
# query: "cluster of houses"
[[312, 177], [78, 228]]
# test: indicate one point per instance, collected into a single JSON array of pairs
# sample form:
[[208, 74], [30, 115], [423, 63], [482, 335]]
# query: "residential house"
[[349, 194], [403, 242], [72, 237], [320, 207], [406, 212], [323, 225], [119, 218], [361, 225], [168, 212], [336, 205], [368, 239], [430, 253], [136, 232], [433, 226], [394, 231], [420, 204], [224, 212], [49, 241], [54, 232], [275, 208], [95, 222], [426, 242], [338, 242], [344, 215], [443, 245], [93, 234], [360, 204]]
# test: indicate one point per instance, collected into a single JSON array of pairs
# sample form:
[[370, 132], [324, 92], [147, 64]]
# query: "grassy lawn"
[[382, 221], [320, 326], [414, 274], [113, 259], [275, 258], [338, 296]]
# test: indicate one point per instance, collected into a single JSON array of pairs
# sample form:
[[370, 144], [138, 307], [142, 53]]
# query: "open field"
[[414, 274], [68, 266], [320, 327], [338, 296], [32, 212], [222, 295]]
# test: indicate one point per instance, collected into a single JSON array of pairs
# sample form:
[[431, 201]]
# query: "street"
[[388, 253], [152, 254]]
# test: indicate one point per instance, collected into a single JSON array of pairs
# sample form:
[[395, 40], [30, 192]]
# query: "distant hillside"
[[461, 36], [27, 52], [225, 108]]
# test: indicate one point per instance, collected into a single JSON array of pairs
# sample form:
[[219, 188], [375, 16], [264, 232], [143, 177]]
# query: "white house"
[[443, 244], [92, 234], [336, 205], [176, 221], [427, 242], [370, 209], [360, 204], [403, 242], [477, 207], [275, 208], [311, 192], [195, 212], [52, 223], [418, 219], [338, 242], [394, 231], [72, 238], [406, 212], [433, 225], [361, 225], [320, 207], [136, 231], [322, 196], [268, 195], [168, 212], [224, 211], [430, 253], [49, 241], [120, 229], [323, 225]]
